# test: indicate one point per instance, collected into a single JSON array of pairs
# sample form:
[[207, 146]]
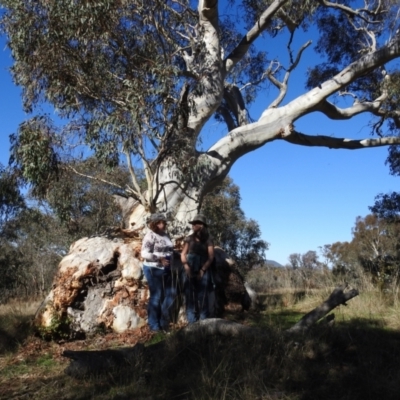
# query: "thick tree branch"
[[338, 143], [205, 101], [94, 178], [238, 53], [243, 140], [355, 70], [208, 11]]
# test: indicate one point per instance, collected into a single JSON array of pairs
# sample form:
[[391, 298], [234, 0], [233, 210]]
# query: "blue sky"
[[301, 197]]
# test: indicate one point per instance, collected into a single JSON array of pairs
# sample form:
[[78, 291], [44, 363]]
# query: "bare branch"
[[274, 122], [355, 70], [238, 53], [94, 177], [298, 57], [267, 74], [367, 32]]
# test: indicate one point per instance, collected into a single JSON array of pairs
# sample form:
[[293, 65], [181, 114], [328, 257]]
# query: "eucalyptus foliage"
[[11, 199]]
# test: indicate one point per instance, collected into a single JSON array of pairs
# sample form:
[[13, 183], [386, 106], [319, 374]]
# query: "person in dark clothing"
[[197, 256]]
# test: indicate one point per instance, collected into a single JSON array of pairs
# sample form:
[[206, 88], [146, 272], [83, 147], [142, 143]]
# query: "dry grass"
[[15, 323]]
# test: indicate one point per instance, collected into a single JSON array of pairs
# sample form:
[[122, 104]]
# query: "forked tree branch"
[[283, 86]]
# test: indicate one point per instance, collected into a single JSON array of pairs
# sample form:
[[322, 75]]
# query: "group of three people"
[[163, 276]]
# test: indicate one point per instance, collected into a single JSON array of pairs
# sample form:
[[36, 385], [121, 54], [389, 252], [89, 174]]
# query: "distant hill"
[[273, 263]]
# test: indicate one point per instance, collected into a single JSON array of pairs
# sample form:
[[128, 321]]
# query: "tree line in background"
[[374, 251], [371, 260], [36, 231]]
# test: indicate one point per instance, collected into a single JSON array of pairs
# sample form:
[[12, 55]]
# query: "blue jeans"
[[162, 297], [196, 297]]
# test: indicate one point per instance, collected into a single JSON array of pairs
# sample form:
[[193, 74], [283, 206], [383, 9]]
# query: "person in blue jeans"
[[157, 251], [197, 256]]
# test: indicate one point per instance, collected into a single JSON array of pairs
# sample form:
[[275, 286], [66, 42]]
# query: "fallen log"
[[92, 363], [338, 297]]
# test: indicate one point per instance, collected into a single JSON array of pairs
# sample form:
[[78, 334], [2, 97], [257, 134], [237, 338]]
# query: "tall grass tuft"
[[15, 323]]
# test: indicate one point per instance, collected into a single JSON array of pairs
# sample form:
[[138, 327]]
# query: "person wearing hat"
[[197, 256], [157, 250]]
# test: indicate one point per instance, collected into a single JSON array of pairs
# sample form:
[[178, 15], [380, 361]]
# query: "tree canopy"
[[136, 82], [11, 200], [374, 248]]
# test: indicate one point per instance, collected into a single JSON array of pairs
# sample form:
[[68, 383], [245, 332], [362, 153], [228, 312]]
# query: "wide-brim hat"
[[199, 218], [157, 217]]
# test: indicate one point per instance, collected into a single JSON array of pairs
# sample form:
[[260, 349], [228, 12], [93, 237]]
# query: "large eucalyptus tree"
[[136, 82]]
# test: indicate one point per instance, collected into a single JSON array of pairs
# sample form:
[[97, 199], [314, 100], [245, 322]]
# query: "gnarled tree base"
[[100, 285]]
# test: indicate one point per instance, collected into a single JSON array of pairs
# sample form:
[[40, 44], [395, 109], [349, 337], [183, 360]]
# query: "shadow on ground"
[[354, 360]]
